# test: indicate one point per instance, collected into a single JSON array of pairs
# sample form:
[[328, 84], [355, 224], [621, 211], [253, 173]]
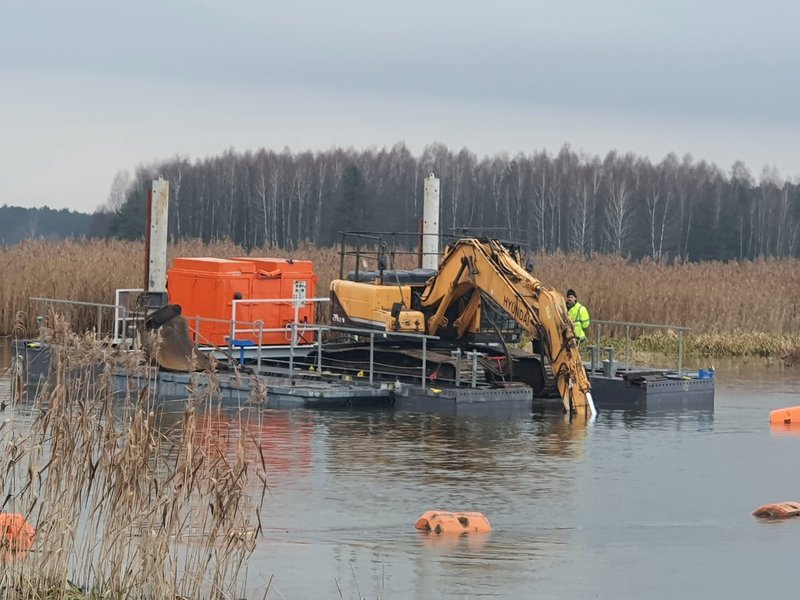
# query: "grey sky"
[[89, 88]]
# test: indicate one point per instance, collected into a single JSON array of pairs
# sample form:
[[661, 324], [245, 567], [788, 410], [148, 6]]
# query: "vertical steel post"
[[319, 353], [148, 209], [260, 338], [157, 237], [99, 321], [430, 226], [424, 359], [291, 351], [627, 347], [598, 332], [134, 337], [371, 354], [457, 355], [680, 353], [474, 368], [341, 258]]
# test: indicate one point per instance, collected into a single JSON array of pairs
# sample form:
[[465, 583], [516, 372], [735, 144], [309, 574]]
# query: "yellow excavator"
[[476, 278]]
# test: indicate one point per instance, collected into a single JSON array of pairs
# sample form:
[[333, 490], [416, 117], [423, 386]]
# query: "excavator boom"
[[486, 268]]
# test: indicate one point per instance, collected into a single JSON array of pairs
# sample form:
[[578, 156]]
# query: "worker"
[[578, 314]]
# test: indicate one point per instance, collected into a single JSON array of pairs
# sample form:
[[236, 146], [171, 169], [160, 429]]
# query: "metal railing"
[[369, 246], [361, 333], [627, 326], [120, 312], [366, 247], [373, 335], [124, 316], [295, 303]]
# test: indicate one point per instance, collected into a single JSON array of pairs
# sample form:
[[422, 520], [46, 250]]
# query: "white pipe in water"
[[590, 401]]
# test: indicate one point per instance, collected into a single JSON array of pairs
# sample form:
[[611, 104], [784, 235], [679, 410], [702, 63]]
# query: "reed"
[[706, 345], [126, 503], [712, 298]]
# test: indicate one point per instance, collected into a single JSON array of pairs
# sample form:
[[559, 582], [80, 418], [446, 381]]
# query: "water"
[[636, 505]]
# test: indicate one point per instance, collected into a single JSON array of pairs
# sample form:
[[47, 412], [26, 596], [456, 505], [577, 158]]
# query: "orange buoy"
[[439, 521], [785, 416], [779, 510], [16, 533]]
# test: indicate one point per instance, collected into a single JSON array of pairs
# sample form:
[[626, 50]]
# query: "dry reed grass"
[[728, 299], [786, 347], [125, 504]]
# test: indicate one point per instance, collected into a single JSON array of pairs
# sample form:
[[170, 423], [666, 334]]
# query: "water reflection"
[[637, 504], [347, 487], [781, 429], [679, 419], [280, 440], [559, 434], [454, 545]]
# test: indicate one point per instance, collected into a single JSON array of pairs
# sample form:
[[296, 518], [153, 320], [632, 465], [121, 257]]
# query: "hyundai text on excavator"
[[480, 299]]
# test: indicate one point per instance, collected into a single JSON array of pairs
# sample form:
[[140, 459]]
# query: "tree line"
[[624, 204], [20, 223]]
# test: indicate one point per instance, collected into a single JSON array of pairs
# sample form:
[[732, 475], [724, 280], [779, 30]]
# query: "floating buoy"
[[438, 521], [16, 533], [779, 510], [785, 416]]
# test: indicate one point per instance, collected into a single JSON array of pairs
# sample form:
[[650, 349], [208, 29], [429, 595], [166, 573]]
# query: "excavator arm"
[[487, 268]]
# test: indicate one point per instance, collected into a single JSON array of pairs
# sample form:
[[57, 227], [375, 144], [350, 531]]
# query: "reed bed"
[[125, 505], [705, 345], [736, 300]]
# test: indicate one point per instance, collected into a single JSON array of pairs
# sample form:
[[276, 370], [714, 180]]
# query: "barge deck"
[[306, 379]]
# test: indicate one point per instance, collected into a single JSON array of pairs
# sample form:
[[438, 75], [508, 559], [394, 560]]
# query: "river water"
[[635, 505]]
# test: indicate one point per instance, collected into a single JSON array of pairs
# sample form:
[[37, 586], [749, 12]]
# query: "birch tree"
[[619, 190]]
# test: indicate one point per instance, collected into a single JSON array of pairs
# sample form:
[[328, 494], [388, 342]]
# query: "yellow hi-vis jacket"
[[580, 317]]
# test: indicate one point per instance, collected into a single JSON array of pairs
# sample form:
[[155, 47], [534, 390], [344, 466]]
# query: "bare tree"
[[659, 196], [541, 190], [619, 189], [119, 191], [585, 187]]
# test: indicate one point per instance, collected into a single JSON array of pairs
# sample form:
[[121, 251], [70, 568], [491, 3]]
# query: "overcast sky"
[[89, 88]]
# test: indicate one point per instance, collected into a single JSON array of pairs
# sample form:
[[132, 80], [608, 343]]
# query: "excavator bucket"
[[172, 348]]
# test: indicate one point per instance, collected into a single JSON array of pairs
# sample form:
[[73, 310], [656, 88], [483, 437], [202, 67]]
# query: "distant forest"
[[620, 204], [17, 224]]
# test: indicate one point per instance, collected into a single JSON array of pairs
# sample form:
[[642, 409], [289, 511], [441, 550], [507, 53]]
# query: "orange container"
[[279, 278], [785, 416], [779, 510], [16, 533], [439, 521], [206, 288]]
